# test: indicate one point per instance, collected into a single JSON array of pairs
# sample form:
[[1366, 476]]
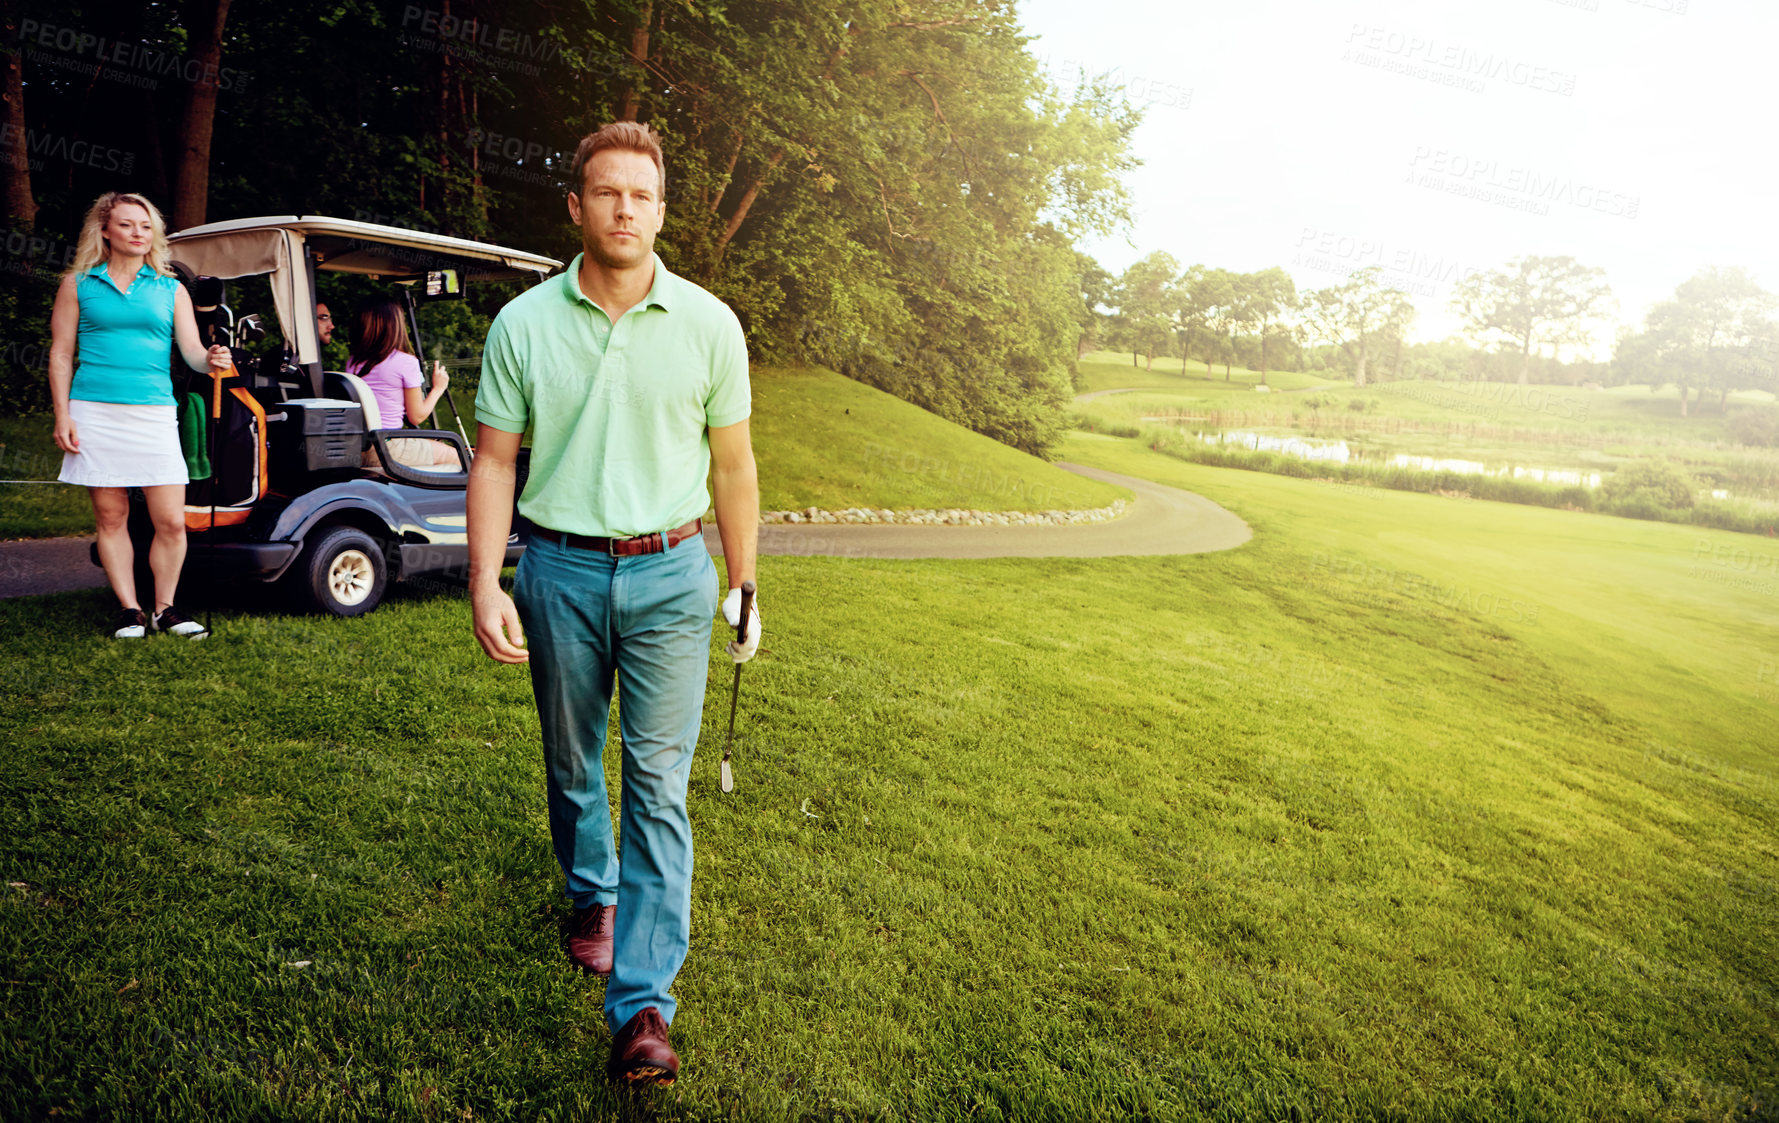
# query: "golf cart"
[[303, 485]]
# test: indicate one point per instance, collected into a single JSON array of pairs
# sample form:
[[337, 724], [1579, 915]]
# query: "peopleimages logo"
[[95, 52], [1519, 188], [468, 37], [1449, 63], [38, 145], [1414, 270]]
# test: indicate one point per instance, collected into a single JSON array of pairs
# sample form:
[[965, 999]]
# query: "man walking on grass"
[[633, 382]]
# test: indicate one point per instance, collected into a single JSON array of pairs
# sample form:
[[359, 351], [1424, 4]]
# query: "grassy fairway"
[[1410, 808], [1106, 370]]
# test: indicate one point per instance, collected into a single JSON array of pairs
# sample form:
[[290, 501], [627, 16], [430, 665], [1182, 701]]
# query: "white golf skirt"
[[124, 446]]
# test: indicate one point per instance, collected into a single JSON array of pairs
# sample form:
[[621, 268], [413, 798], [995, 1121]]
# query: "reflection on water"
[[1568, 476], [1299, 447], [1339, 452]]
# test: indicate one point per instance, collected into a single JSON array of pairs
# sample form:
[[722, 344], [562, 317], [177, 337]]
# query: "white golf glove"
[[742, 652]]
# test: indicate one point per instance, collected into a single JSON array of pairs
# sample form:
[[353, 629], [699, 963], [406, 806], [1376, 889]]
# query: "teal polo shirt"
[[125, 340], [619, 414]]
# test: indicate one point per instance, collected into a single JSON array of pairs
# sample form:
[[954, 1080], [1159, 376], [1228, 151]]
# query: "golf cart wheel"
[[342, 573]]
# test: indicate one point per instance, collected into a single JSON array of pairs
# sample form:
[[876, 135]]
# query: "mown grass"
[[1407, 809], [37, 510]]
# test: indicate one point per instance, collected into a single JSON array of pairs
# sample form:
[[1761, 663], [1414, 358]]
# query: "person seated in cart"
[[385, 359]]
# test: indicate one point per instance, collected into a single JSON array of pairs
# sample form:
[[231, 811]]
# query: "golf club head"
[[727, 778]]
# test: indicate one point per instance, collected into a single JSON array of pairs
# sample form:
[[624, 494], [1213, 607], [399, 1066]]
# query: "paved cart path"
[[1162, 520], [47, 565]]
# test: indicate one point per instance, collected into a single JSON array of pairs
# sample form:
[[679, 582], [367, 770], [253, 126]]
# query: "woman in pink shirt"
[[383, 357]]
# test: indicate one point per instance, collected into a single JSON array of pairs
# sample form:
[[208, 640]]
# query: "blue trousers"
[[646, 619]]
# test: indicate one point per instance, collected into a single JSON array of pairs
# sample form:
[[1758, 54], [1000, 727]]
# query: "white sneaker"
[[129, 624], [174, 622]]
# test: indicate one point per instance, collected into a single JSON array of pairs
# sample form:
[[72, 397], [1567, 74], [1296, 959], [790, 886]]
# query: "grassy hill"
[[824, 440]]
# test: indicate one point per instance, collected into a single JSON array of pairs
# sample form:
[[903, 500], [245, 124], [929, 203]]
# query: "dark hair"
[[381, 330], [626, 136]]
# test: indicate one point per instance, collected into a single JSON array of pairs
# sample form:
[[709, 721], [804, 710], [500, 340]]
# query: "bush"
[[1356, 404], [1758, 427], [1650, 483], [1087, 423]]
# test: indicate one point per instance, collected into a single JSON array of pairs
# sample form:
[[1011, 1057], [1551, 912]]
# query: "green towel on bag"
[[191, 436]]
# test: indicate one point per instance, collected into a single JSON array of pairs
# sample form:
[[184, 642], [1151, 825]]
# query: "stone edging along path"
[[935, 516]]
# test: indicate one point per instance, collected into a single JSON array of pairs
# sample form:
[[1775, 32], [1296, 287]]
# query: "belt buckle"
[[611, 547]]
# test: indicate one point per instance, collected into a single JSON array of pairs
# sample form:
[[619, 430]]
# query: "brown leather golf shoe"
[[590, 938], [640, 1052]]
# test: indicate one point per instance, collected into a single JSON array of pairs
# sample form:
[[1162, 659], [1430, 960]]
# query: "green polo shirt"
[[619, 413]]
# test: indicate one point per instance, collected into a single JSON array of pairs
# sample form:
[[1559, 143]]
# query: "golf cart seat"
[[351, 388]]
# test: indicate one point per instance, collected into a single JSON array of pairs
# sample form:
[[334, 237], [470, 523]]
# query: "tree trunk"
[[444, 133], [1263, 354], [728, 173], [191, 198], [1683, 390], [21, 204], [479, 192], [1525, 358], [1359, 368], [631, 99], [746, 204]]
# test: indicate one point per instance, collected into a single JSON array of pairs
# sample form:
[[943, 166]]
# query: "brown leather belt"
[[623, 547]]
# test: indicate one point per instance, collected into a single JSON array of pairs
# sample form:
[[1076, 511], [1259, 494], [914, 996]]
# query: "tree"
[[1098, 290], [1147, 299], [15, 152], [1271, 299], [1188, 312], [1217, 301], [1533, 300], [1709, 337], [1360, 317]]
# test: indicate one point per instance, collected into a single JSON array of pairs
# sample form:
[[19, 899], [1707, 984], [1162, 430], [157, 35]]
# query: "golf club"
[[420, 349], [726, 778], [209, 299]]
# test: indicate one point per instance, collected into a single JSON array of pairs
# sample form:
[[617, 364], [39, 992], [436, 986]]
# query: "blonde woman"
[[116, 422]]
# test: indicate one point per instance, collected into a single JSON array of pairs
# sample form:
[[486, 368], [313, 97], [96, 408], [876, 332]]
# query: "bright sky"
[[1437, 136]]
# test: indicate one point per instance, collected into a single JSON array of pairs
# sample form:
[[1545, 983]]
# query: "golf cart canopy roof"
[[344, 245], [252, 247]]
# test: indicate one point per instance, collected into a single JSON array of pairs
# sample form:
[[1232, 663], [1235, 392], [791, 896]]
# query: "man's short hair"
[[626, 136]]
